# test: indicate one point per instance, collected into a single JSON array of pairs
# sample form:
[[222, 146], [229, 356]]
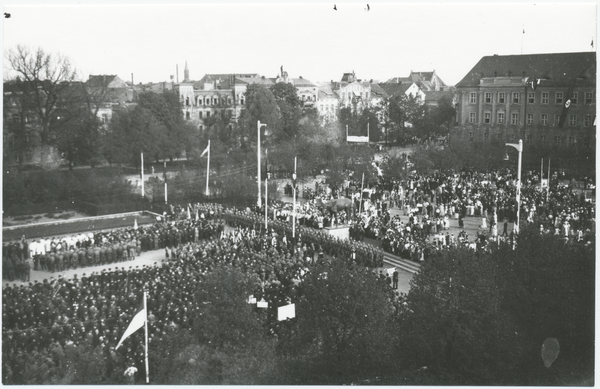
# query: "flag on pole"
[[206, 150], [138, 321], [592, 43]]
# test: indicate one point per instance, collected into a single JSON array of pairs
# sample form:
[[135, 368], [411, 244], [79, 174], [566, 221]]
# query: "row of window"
[[515, 98], [514, 119], [214, 101], [201, 114], [558, 140], [363, 95]]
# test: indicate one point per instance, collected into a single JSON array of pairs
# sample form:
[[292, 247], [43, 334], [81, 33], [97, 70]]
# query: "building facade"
[[544, 99]]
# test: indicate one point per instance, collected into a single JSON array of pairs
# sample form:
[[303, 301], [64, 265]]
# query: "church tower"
[[186, 73]]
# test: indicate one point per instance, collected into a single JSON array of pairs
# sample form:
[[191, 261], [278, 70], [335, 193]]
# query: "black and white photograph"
[[292, 194]]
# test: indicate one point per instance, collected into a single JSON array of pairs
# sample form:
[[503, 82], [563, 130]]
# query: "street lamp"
[[519, 148], [258, 127]]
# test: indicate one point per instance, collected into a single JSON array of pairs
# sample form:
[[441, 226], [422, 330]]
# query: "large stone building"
[[547, 100], [224, 94]]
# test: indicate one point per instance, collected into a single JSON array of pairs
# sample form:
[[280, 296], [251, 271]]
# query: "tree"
[[290, 111], [78, 135], [223, 316], [131, 132], [476, 318], [45, 82], [400, 114], [343, 330], [260, 105], [165, 108]]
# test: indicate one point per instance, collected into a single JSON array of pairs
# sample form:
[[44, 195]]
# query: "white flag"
[[137, 322], [205, 150]]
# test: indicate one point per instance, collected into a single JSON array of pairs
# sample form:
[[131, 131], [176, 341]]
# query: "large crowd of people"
[[45, 321]]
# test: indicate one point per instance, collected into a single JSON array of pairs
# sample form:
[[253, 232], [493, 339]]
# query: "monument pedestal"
[[342, 232]]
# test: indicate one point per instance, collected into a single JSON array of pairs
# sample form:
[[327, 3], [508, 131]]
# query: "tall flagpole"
[[207, 168], [548, 188], [142, 154], [165, 167], [542, 175], [294, 206], [146, 329], [362, 186]]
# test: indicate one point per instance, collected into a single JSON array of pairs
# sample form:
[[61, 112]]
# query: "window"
[[571, 141], [473, 98], [557, 140], [500, 117], [515, 97], [501, 98], [587, 120], [572, 120], [589, 97], [514, 118], [208, 101], [556, 120], [545, 97], [544, 119], [215, 100], [531, 97], [471, 136], [559, 97], [187, 115], [200, 114], [574, 98], [242, 101], [488, 98], [543, 140], [200, 101], [187, 101], [487, 117], [207, 114], [472, 117], [485, 136], [528, 138], [529, 119]]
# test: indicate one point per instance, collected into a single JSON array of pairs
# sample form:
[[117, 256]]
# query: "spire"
[[186, 73]]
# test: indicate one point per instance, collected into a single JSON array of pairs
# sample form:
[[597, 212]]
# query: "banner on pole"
[[286, 312], [262, 304], [357, 139]]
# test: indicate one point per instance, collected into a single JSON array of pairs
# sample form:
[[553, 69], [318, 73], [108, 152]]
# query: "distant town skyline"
[[310, 40]]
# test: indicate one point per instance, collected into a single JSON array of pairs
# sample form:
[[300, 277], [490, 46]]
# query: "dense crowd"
[[45, 322], [432, 201]]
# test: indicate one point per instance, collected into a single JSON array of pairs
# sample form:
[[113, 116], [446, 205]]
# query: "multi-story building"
[[543, 99], [224, 94]]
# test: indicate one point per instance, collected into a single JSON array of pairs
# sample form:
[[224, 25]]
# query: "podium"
[[342, 232]]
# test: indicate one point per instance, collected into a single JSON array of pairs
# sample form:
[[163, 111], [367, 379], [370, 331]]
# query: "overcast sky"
[[310, 40]]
